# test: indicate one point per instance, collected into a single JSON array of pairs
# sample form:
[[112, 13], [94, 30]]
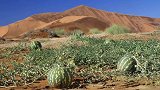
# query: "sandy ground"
[[53, 42]]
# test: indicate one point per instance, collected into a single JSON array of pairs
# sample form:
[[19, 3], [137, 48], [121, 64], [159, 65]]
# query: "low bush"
[[75, 32], [117, 29], [95, 31], [58, 31]]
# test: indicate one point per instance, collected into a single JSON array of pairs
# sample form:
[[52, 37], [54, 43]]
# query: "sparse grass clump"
[[117, 29]]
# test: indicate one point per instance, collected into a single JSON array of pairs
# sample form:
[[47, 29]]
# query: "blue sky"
[[14, 10]]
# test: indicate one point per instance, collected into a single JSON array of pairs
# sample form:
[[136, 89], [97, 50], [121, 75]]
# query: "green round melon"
[[127, 64], [60, 77], [35, 45]]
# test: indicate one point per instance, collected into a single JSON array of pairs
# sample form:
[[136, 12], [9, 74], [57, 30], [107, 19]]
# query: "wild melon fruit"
[[60, 77], [127, 64], [35, 45]]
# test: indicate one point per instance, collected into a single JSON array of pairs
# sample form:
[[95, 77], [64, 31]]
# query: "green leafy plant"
[[8, 53], [94, 61]]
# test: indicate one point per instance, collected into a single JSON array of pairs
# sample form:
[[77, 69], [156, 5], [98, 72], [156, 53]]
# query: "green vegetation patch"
[[95, 61], [95, 31], [117, 29]]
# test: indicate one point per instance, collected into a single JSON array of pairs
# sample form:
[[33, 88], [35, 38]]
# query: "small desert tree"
[[117, 29]]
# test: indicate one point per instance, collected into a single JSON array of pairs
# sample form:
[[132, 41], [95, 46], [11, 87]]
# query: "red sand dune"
[[70, 23], [20, 27], [3, 30], [82, 17]]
